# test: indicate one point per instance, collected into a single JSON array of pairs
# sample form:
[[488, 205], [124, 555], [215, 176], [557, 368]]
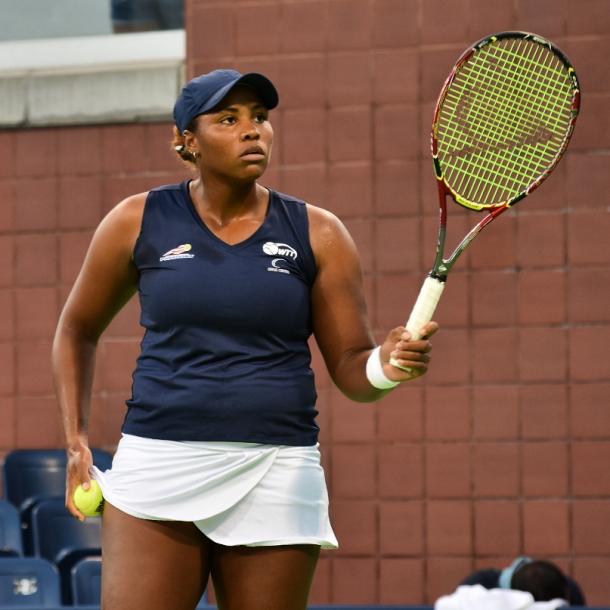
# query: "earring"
[[194, 155]]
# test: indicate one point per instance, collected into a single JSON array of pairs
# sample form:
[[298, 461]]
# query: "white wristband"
[[375, 374]]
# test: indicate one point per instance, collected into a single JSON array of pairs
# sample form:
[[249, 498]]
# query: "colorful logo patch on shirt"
[[178, 252]]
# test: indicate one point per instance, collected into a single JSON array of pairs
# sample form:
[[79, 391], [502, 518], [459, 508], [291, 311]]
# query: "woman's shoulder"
[[131, 209], [328, 235], [128, 211], [323, 222], [121, 225]]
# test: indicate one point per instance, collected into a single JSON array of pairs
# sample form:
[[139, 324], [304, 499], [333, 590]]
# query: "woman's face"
[[235, 140]]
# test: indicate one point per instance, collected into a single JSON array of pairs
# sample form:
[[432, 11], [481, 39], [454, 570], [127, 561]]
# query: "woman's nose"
[[251, 132]]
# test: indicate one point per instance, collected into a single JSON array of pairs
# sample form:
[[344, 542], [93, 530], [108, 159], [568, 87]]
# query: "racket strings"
[[548, 133], [527, 104], [504, 119], [507, 138], [507, 133], [523, 126], [509, 98], [513, 101]]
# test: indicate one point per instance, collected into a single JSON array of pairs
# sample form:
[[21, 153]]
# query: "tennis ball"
[[90, 501]]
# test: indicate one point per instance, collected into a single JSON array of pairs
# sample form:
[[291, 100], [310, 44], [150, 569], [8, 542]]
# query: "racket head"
[[503, 119]]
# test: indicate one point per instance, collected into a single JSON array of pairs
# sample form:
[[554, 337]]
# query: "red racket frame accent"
[[442, 265]]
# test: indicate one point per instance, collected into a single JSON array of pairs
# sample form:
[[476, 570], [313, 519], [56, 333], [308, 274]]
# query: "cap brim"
[[261, 84]]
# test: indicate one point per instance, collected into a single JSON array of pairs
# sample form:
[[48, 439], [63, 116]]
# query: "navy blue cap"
[[204, 92]]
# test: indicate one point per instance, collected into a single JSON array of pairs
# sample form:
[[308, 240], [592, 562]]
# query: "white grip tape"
[[424, 308]]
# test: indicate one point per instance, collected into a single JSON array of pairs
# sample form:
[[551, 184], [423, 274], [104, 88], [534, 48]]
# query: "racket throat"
[[438, 275], [441, 267]]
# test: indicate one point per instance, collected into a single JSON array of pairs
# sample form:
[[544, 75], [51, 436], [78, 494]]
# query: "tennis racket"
[[502, 121]]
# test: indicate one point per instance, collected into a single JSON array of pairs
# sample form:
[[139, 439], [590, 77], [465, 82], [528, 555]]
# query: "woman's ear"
[[191, 145], [189, 139]]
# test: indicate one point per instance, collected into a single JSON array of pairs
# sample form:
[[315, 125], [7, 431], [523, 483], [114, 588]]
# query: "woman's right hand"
[[78, 471]]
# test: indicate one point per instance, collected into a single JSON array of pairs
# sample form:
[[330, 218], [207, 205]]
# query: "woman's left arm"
[[340, 321]]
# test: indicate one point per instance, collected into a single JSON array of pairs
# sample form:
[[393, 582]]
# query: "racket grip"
[[424, 308]]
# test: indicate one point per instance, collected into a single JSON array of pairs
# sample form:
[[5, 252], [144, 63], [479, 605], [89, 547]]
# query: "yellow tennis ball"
[[90, 501]]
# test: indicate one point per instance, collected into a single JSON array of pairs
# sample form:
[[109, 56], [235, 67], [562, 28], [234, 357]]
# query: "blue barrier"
[[312, 607]]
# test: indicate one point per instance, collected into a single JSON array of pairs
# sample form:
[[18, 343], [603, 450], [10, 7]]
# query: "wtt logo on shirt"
[[178, 252], [276, 249], [281, 251]]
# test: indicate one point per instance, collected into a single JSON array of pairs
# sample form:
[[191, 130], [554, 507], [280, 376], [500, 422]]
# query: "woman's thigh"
[[263, 578], [152, 565]]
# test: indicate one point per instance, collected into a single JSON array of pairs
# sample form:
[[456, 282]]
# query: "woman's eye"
[[261, 118], [228, 120]]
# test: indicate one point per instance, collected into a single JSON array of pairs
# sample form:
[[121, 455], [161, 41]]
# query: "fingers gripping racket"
[[502, 121]]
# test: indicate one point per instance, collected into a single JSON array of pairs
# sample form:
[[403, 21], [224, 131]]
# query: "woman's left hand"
[[410, 354]]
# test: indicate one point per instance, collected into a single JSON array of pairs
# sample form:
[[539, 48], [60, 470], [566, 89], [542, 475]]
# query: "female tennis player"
[[217, 473]]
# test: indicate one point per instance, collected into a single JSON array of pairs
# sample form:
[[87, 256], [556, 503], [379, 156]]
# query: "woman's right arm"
[[107, 280]]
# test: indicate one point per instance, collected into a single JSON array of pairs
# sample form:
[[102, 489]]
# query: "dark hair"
[[542, 579]]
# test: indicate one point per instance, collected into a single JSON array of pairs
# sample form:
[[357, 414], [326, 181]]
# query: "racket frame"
[[434, 284], [442, 266]]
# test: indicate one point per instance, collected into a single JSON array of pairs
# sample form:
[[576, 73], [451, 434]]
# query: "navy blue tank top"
[[225, 354]]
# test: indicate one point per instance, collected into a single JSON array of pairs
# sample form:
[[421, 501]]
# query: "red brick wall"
[[503, 448], [55, 186]]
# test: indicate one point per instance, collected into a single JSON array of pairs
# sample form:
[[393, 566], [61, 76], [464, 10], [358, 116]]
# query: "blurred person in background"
[[543, 579], [146, 15]]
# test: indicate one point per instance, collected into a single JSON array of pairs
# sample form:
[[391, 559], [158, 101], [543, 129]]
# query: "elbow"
[[69, 332]]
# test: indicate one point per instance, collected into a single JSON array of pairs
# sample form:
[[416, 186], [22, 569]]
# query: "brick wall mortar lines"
[[585, 146]]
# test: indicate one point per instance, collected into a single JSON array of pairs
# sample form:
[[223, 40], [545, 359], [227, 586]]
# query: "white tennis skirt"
[[235, 493]]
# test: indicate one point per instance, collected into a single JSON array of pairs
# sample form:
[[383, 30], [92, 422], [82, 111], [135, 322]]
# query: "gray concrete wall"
[[90, 79], [26, 19]]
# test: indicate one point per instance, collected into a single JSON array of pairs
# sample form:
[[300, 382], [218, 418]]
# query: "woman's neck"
[[222, 204]]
